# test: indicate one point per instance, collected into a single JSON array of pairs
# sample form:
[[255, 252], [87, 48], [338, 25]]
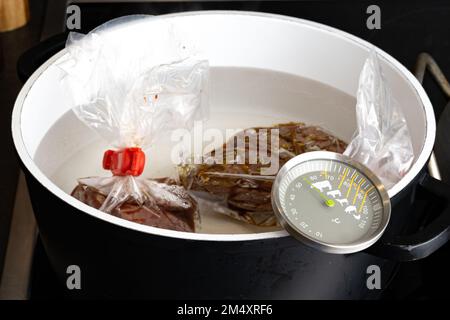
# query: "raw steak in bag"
[[132, 84]]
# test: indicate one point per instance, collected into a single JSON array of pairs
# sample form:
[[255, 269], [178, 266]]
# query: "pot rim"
[[51, 187]]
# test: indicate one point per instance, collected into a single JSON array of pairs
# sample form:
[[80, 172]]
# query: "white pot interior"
[[265, 69]]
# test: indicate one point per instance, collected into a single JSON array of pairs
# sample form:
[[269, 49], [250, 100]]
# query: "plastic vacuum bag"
[[131, 86], [382, 141], [241, 188]]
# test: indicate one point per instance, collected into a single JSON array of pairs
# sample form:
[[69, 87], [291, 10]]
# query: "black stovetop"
[[408, 28]]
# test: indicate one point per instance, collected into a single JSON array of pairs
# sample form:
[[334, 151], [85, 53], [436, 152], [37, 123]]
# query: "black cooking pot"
[[118, 258]]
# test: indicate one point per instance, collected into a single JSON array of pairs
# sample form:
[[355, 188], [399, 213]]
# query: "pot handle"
[[426, 241], [31, 59]]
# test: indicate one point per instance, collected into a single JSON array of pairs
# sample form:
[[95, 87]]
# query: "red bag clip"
[[125, 162]]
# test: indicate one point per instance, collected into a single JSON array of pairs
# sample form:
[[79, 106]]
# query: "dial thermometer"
[[330, 202]]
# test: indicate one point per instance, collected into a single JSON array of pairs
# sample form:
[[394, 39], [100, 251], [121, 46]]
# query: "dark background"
[[407, 28]]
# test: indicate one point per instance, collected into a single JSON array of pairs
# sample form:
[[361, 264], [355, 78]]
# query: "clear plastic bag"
[[382, 141], [133, 82], [242, 191]]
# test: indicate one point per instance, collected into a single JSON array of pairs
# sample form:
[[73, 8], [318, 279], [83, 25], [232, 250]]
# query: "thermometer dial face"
[[330, 202]]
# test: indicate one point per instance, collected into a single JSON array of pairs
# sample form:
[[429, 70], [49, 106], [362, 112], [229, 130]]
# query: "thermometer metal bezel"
[[359, 245]]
